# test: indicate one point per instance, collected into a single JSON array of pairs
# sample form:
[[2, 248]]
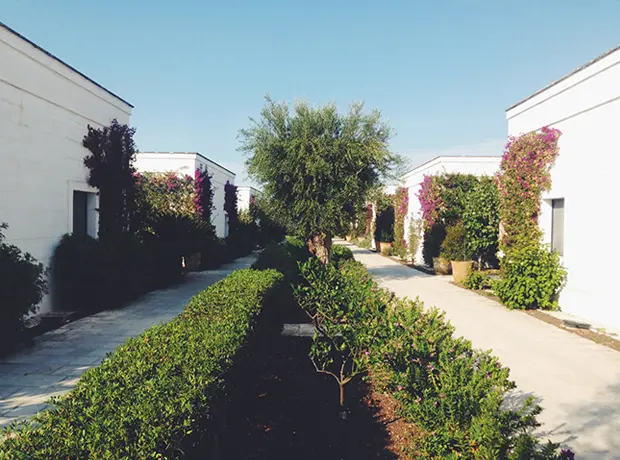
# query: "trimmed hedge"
[[340, 254], [452, 392], [159, 392], [92, 275]]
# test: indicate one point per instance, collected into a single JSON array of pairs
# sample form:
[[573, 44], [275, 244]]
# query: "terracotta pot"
[[348, 238], [461, 269], [441, 266], [361, 238], [384, 247]]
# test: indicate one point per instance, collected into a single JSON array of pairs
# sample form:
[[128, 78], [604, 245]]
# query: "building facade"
[[245, 193], [585, 107], [187, 163], [45, 109], [476, 165]]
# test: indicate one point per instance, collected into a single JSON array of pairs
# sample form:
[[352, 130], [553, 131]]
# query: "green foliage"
[[476, 280], [285, 258], [159, 392], [366, 243], [166, 193], [337, 302], [22, 286], [532, 278], [454, 246], [481, 220], [415, 237], [341, 254], [316, 165], [111, 170], [92, 275]]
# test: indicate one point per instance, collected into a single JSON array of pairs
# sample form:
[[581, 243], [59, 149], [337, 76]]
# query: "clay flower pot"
[[461, 269], [384, 247], [441, 266]]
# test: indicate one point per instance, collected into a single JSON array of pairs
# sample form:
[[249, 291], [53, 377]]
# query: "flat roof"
[[17, 34], [191, 153], [579, 69], [450, 157]]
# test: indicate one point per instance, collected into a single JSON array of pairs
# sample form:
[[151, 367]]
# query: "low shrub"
[[476, 280], [454, 246], [22, 287], [91, 275], [451, 391], [160, 392], [387, 251], [531, 278], [284, 257], [340, 254], [366, 243]]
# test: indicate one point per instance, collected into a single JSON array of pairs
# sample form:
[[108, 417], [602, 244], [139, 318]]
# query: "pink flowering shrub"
[[167, 193], [525, 173], [430, 200], [203, 194]]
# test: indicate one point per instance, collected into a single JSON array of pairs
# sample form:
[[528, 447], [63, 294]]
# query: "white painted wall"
[[479, 166], [244, 193], [187, 163], [45, 108], [585, 106]]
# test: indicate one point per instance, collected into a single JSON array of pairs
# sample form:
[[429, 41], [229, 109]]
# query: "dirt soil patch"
[[288, 411]]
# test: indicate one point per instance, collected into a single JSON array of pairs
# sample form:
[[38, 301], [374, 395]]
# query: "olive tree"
[[316, 165]]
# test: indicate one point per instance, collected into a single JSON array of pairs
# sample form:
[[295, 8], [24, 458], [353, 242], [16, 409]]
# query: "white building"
[[187, 163], [476, 165], [577, 217], [244, 195], [45, 108]]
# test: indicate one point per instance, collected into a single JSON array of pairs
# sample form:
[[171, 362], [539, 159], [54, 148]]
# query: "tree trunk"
[[341, 394], [320, 245]]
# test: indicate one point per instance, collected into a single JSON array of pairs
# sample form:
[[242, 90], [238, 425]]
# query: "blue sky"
[[442, 72]]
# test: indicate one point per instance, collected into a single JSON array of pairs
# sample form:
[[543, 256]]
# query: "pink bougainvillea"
[[430, 200], [203, 194], [525, 173]]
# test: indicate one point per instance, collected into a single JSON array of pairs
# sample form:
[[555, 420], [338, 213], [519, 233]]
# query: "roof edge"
[[56, 58], [439, 157], [191, 153], [565, 77]]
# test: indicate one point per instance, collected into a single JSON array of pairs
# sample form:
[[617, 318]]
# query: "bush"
[[433, 238], [532, 278], [476, 280], [22, 287], [454, 246], [158, 392], [340, 254], [91, 275], [452, 392], [481, 220], [284, 258], [366, 243]]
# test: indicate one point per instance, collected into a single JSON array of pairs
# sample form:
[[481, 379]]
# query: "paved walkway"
[[54, 364], [576, 381]]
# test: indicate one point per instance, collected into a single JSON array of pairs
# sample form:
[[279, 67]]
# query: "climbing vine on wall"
[[203, 194], [525, 173], [166, 193], [230, 206], [401, 207]]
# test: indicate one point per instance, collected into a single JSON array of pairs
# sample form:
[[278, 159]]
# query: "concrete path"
[[53, 365], [575, 380]]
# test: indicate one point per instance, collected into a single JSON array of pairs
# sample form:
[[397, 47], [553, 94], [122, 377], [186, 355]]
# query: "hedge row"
[[449, 390], [159, 392]]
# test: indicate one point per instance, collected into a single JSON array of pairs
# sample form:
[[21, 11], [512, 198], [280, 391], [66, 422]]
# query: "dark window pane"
[[79, 213], [557, 226]]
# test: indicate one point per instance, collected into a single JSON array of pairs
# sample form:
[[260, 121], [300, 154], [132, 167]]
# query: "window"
[[557, 225], [80, 213]]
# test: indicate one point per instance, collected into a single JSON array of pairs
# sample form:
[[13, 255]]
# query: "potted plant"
[[442, 266], [385, 242], [454, 248]]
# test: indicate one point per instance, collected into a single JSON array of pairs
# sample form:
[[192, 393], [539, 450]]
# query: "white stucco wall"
[[45, 108], [244, 193], [585, 106], [187, 163], [479, 166]]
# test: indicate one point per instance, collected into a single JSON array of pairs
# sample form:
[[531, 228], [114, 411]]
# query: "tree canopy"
[[317, 165]]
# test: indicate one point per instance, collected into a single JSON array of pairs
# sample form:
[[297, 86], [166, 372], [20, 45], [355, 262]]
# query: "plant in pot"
[[385, 241], [454, 248]]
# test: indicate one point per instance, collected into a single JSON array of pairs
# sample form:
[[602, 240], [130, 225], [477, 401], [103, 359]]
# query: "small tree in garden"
[[415, 236], [230, 207], [203, 197], [401, 208], [481, 221], [316, 165], [110, 162], [340, 311], [525, 173]]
